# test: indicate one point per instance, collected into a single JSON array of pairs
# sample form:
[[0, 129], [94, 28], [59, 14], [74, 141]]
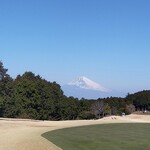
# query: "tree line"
[[30, 96]]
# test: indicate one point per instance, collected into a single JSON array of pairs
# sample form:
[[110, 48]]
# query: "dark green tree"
[[6, 88]]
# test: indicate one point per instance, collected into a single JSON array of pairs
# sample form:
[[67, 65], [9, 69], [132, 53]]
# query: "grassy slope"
[[102, 137]]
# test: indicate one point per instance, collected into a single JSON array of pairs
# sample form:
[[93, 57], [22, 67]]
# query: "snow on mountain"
[[86, 88], [85, 83]]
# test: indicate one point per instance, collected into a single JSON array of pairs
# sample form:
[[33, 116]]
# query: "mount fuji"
[[84, 87], [85, 83]]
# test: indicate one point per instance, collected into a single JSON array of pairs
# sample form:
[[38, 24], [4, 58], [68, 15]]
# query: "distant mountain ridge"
[[85, 87], [86, 83]]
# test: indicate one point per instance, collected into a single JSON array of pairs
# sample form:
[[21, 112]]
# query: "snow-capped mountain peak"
[[85, 83]]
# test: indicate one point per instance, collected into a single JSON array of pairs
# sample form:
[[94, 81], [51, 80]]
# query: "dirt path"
[[18, 134]]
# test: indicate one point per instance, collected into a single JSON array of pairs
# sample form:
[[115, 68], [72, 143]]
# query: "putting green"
[[124, 136]]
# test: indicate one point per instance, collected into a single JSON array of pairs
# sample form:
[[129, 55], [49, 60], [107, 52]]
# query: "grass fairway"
[[129, 136]]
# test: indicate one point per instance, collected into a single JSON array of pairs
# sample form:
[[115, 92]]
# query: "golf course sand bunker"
[[20, 134]]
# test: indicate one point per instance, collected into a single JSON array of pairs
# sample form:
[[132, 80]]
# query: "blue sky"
[[106, 40]]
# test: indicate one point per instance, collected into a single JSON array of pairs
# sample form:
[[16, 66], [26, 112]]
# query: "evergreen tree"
[[6, 86]]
